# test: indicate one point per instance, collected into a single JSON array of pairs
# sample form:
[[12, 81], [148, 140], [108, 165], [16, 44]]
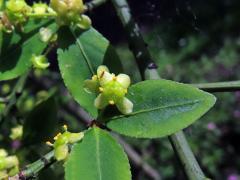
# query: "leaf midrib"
[[98, 155], [157, 108], [85, 56]]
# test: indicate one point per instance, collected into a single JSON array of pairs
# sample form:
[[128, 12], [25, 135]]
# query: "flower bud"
[[16, 132], [40, 62], [39, 8], [6, 89]]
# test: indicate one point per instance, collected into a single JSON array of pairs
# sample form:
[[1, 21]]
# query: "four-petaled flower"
[[111, 89]]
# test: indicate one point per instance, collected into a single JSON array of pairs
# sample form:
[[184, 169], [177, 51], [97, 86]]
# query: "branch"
[[185, 155], [148, 70], [135, 39], [138, 161], [94, 3], [33, 169], [219, 86]]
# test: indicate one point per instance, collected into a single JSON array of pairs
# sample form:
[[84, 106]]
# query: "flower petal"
[[125, 106], [105, 78], [75, 137], [124, 80], [100, 102], [91, 86], [101, 69], [61, 152]]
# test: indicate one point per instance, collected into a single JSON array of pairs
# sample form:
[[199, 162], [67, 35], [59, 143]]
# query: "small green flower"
[[16, 132], [111, 89], [62, 140], [40, 61]]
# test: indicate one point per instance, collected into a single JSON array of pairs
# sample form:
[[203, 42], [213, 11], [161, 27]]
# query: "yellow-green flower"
[[111, 90], [61, 142]]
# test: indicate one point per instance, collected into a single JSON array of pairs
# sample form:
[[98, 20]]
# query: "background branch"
[[11, 99], [94, 3], [219, 86]]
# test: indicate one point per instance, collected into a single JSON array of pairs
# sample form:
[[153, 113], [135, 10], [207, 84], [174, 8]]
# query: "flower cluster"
[[8, 164], [67, 12], [62, 142], [17, 12], [70, 12], [111, 89]]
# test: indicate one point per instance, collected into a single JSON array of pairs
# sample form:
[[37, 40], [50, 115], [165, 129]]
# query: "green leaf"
[[161, 108], [18, 47], [97, 157], [41, 122], [79, 56]]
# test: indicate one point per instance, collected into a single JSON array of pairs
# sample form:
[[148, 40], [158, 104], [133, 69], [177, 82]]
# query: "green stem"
[[148, 70], [219, 86], [185, 155], [32, 169]]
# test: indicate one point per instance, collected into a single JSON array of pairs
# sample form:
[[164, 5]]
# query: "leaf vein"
[[98, 156], [157, 108]]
